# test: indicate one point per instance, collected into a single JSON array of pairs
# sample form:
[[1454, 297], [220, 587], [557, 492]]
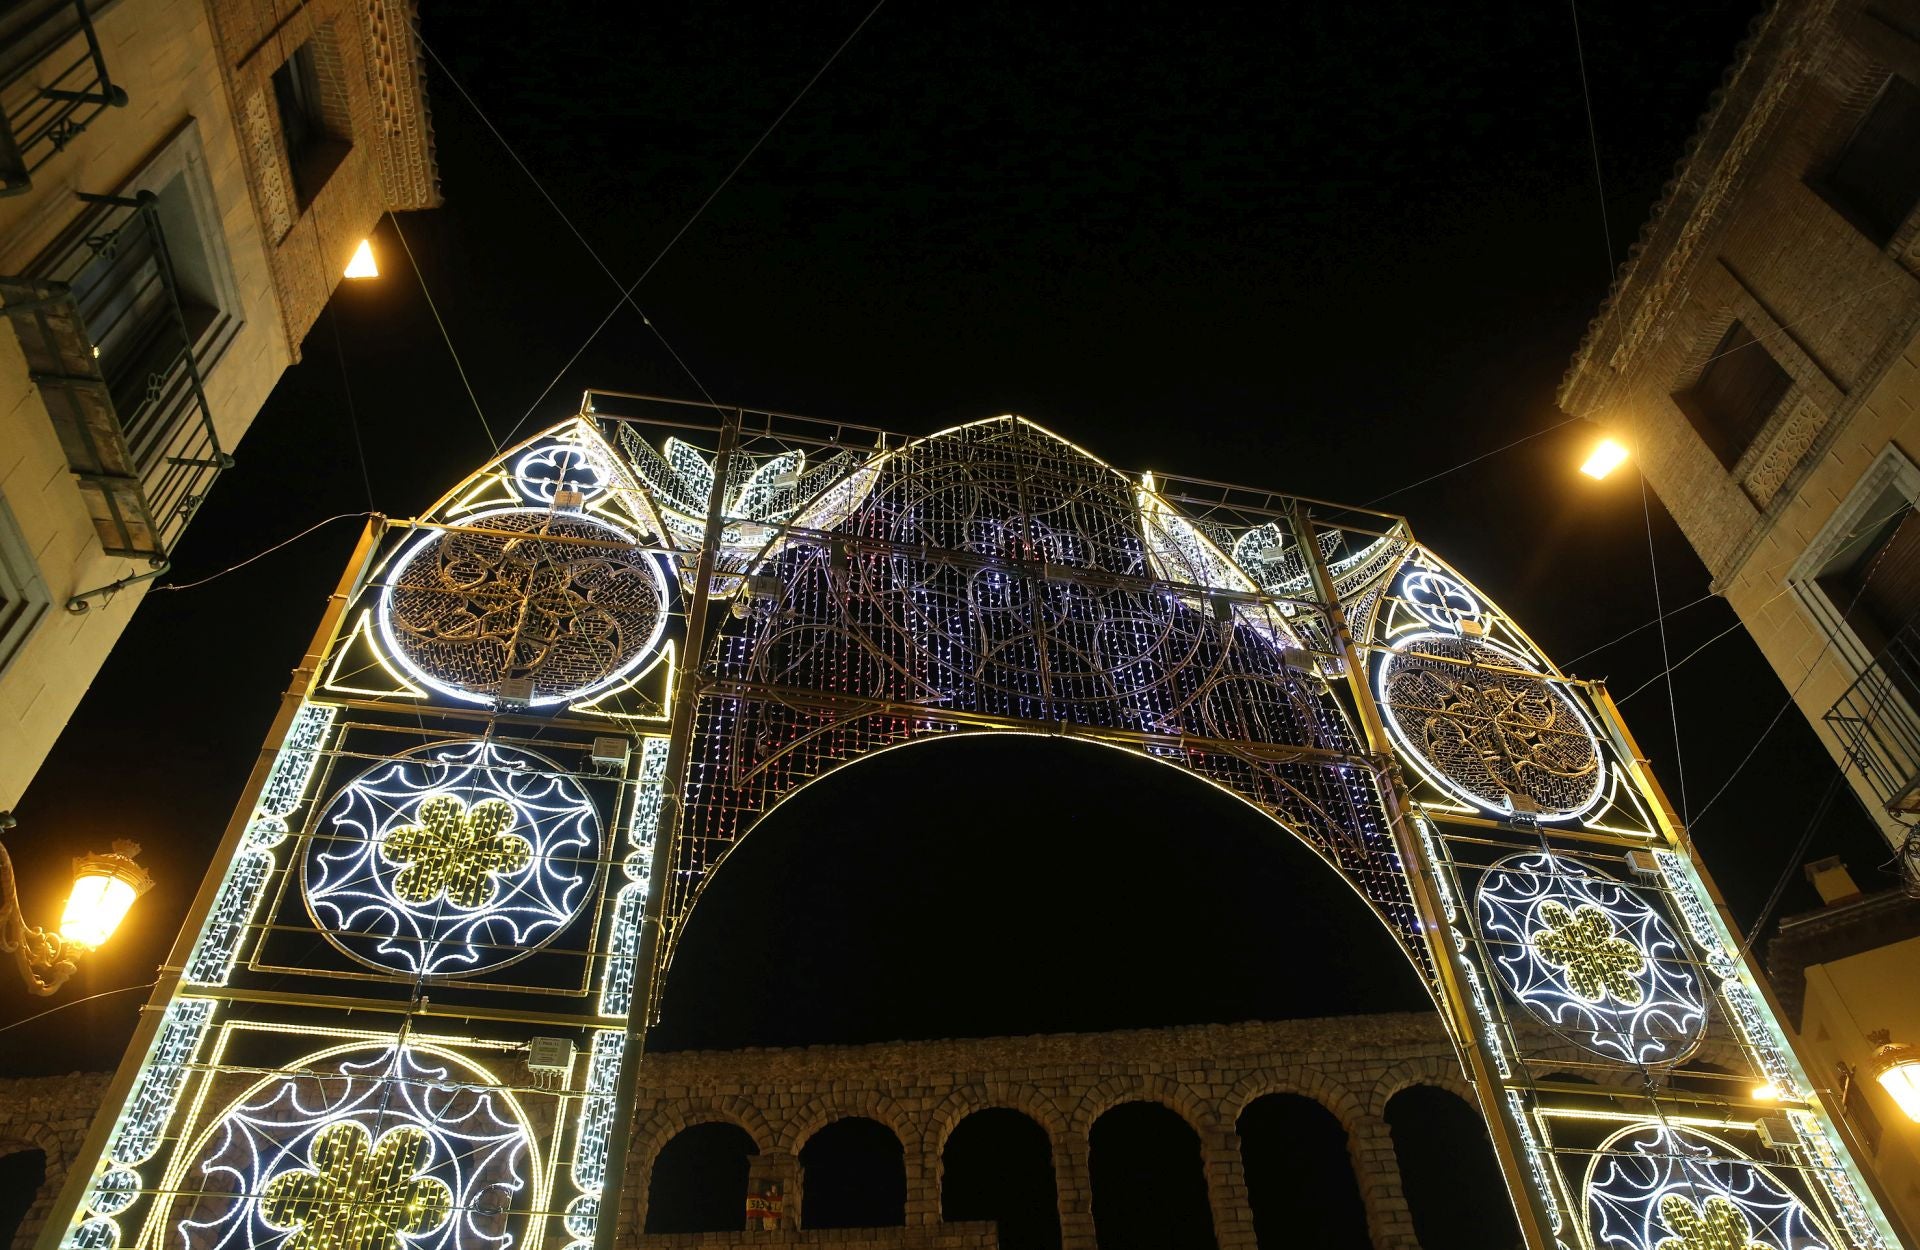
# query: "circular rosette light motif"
[[453, 859], [361, 1148], [463, 612], [1661, 1187], [1591, 958], [1481, 723]]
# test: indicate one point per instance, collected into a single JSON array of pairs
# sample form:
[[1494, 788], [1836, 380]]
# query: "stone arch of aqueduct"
[[1208, 1074]]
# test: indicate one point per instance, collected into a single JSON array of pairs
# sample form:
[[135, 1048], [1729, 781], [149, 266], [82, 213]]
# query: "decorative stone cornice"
[[1654, 278], [408, 170]]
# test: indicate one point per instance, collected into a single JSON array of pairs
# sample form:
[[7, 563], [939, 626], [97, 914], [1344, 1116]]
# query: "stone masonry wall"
[[921, 1090], [1208, 1074], [49, 1114]]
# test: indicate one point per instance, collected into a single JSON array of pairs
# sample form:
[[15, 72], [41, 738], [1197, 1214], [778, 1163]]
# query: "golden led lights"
[[359, 1194], [456, 850], [1597, 962]]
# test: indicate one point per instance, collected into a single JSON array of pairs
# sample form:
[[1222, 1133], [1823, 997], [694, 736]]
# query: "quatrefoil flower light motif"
[[543, 473], [358, 1194], [1716, 1224], [456, 850], [1597, 961]]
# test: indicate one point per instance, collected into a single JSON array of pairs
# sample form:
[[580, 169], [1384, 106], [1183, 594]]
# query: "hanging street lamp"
[[104, 887], [1896, 1065]]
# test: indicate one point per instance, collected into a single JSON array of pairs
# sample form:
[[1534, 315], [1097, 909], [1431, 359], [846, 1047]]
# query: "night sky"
[[1332, 249]]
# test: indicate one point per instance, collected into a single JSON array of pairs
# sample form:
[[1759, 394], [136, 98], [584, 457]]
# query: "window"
[[312, 122], [23, 596], [1738, 390], [123, 294], [145, 274], [1876, 180], [1874, 579]]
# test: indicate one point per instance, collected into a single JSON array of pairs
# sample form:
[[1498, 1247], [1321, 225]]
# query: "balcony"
[[1877, 726], [115, 352], [45, 99]]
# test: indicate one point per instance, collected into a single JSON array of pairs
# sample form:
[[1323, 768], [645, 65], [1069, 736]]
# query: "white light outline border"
[[285, 789], [629, 904], [1766, 1045], [140, 1131], [633, 669]]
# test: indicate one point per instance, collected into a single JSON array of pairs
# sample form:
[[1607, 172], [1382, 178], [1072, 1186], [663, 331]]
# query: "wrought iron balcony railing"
[[114, 352], [1878, 726], [44, 106]]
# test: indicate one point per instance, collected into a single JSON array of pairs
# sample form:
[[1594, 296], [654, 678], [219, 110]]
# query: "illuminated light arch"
[[971, 632], [479, 1143], [991, 578], [1650, 1187], [354, 885], [1654, 1009]]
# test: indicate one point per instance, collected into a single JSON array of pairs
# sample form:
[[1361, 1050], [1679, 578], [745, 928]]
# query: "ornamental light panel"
[[443, 860]]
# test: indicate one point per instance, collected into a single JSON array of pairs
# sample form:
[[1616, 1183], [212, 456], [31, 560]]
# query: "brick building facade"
[[180, 189], [1760, 356]]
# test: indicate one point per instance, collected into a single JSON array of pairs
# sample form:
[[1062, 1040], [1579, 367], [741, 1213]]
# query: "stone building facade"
[[921, 1091], [181, 186], [1760, 357]]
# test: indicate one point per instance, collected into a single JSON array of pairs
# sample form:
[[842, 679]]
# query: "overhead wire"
[[353, 417], [1813, 666], [452, 351], [1667, 671], [1793, 861], [260, 555], [1646, 504], [565, 220], [626, 292], [41, 1015], [1619, 638]]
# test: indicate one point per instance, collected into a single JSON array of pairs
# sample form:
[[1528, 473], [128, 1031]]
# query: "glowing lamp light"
[[1766, 1091], [362, 265], [1606, 457], [104, 887], [1896, 1065]]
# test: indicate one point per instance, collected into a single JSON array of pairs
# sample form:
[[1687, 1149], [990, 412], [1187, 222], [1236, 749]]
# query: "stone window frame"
[[1876, 52], [1891, 471], [182, 156], [307, 175], [1768, 463], [24, 597]]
